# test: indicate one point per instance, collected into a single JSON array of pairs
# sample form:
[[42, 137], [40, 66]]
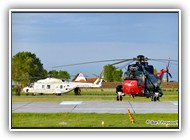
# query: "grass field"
[[92, 120], [91, 95]]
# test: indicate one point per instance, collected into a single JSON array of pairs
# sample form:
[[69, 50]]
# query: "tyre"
[[155, 99], [119, 98], [58, 94]]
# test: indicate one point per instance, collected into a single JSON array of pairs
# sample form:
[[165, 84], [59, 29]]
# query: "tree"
[[64, 75], [108, 70], [155, 71], [44, 73], [53, 73], [60, 74], [117, 74], [26, 68], [112, 74]]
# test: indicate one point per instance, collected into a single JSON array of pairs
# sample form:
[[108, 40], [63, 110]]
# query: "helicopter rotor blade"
[[160, 61], [139, 58], [163, 60], [122, 61], [126, 64], [170, 75], [167, 77], [90, 62]]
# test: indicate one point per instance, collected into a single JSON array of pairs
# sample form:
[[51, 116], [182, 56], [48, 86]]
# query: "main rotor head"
[[141, 58]]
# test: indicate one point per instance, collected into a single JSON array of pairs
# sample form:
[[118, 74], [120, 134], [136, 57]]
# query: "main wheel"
[[155, 99], [34, 94], [119, 97]]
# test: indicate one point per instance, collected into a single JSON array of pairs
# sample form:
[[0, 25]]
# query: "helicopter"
[[139, 78], [51, 85]]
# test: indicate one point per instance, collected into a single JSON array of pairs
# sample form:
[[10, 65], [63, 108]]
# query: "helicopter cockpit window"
[[133, 68], [48, 86], [132, 75], [61, 86], [31, 86], [132, 72]]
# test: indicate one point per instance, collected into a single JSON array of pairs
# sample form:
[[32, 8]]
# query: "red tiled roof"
[[88, 80]]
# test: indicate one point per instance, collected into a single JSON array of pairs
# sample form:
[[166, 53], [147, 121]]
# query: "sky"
[[66, 38]]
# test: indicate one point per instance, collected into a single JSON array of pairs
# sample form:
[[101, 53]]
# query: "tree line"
[[27, 68]]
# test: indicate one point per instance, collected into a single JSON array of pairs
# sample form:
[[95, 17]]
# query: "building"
[[80, 78]]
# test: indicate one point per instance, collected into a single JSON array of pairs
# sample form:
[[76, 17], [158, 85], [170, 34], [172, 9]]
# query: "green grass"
[[102, 95], [90, 120]]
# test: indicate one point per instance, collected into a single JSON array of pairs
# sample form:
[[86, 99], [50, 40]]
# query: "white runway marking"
[[174, 103], [71, 103]]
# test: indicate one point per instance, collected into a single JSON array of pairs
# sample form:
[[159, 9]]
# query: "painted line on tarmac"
[[131, 106], [71, 103], [174, 103], [22, 106]]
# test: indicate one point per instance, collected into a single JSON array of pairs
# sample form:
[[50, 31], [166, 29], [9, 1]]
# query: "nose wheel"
[[119, 96], [119, 93]]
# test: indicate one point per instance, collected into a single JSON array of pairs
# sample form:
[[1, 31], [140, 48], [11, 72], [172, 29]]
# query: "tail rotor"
[[168, 74]]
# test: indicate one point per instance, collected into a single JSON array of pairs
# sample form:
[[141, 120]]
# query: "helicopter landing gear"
[[155, 97], [133, 96], [119, 92], [119, 96], [34, 94]]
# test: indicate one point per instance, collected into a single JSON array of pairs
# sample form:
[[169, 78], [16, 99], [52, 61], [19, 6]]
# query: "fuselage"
[[49, 87]]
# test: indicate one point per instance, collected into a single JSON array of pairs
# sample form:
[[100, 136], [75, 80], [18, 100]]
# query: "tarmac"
[[95, 107]]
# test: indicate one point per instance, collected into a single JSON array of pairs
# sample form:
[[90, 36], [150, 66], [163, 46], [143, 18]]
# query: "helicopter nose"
[[131, 87]]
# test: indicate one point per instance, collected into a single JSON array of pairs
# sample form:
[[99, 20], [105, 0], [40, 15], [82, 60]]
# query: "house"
[[80, 78]]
